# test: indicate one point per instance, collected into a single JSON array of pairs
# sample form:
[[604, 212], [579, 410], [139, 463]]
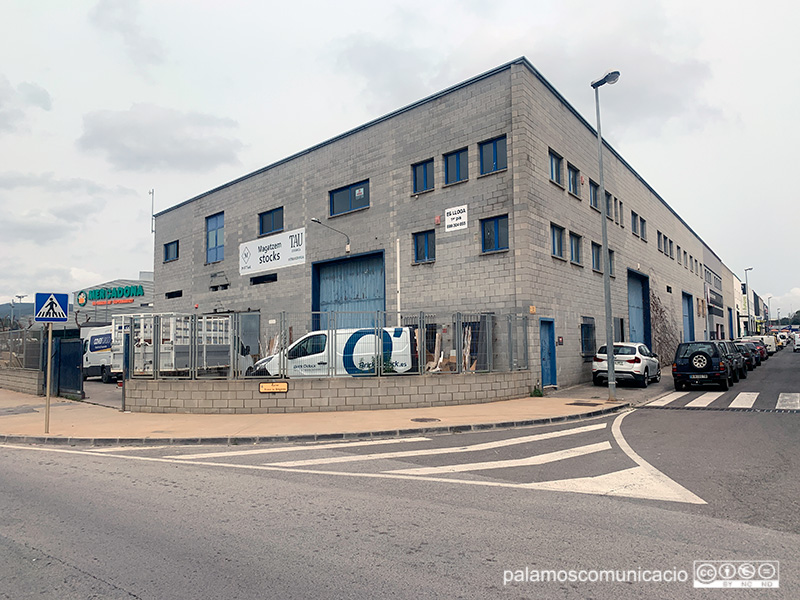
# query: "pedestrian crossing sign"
[[51, 308]]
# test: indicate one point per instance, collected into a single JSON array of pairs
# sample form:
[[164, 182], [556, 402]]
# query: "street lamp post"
[[747, 291], [609, 78], [769, 313]]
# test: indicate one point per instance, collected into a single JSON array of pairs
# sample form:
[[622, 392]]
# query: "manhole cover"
[[425, 420], [583, 403]]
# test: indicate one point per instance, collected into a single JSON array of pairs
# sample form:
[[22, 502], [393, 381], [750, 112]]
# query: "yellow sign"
[[273, 387]]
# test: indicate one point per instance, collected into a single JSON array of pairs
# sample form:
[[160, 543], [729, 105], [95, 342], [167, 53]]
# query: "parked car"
[[762, 349], [738, 363], [767, 340], [752, 357], [700, 363], [632, 362], [796, 347]]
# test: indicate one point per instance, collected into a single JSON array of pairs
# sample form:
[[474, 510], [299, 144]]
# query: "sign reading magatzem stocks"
[[273, 252]]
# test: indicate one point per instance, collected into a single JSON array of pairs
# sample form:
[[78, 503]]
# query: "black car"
[[751, 355], [738, 362], [703, 363]]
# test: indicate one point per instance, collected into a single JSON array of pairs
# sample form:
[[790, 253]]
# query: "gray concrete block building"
[[482, 198]]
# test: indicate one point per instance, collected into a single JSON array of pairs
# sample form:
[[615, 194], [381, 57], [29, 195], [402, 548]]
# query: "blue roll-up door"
[[688, 318], [353, 285], [636, 309]]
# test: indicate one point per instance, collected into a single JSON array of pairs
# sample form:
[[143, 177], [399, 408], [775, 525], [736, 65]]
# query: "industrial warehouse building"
[[480, 199]]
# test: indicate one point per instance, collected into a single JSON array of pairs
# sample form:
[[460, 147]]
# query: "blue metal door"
[[688, 318], [547, 348], [353, 285], [636, 309]]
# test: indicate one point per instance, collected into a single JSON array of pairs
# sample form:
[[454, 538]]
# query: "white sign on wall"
[[273, 252], [455, 218]]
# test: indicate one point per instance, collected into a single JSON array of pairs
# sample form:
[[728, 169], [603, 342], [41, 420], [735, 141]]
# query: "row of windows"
[[494, 238], [557, 249], [667, 247], [493, 157]]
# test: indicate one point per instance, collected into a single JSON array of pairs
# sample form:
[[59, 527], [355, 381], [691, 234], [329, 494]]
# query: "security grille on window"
[[349, 198], [493, 155], [588, 342]]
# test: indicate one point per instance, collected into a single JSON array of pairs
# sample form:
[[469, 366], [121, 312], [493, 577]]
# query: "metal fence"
[[21, 349], [330, 344]]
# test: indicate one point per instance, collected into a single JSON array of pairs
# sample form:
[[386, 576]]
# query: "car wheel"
[[678, 386], [724, 384], [657, 378], [645, 379], [597, 381], [735, 375], [700, 361], [743, 374], [105, 375]]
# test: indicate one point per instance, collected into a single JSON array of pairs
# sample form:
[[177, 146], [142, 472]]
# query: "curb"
[[314, 437]]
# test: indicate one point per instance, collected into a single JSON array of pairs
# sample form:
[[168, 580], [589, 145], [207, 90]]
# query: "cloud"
[[16, 103], [48, 182], [150, 137], [122, 17]]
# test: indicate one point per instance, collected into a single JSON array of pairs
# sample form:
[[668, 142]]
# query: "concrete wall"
[[320, 395], [26, 381]]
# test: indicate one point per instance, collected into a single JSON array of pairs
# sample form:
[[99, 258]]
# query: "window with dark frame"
[[422, 174], [594, 190], [215, 238], [588, 341], [270, 221], [575, 243], [573, 180], [171, 251], [494, 233], [493, 155], [456, 166], [557, 240], [350, 198], [597, 261], [556, 163], [425, 246]]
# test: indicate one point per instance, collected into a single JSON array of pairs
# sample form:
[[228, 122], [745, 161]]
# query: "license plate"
[[698, 376], [618, 363]]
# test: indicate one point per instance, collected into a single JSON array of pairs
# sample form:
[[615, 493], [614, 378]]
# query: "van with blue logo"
[[97, 355], [343, 352]]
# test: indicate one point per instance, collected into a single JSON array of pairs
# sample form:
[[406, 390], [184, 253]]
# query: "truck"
[[355, 352], [97, 354]]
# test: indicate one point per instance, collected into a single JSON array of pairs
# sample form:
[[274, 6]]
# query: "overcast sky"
[[102, 101]]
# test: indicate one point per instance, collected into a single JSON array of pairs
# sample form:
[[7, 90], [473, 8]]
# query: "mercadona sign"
[[112, 295]]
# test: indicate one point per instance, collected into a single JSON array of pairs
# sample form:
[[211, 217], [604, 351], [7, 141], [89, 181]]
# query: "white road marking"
[[667, 399], [705, 399], [788, 401], [126, 449], [744, 400], [503, 464], [434, 451], [327, 446]]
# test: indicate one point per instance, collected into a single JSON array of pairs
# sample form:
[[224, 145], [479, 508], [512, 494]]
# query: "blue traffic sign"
[[51, 308]]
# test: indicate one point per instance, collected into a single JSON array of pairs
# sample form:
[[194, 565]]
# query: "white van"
[[97, 354], [355, 352], [767, 340], [796, 347]]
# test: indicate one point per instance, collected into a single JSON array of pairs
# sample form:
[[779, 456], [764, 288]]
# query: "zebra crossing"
[[742, 401]]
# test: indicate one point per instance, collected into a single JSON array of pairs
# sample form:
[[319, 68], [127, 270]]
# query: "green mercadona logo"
[[128, 291]]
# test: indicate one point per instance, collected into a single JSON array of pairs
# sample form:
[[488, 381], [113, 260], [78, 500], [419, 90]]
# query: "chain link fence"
[[319, 344], [21, 349]]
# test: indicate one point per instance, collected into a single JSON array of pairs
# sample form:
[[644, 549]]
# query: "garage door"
[[354, 285]]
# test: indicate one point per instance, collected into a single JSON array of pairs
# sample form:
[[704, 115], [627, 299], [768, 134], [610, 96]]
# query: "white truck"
[[97, 355], [355, 352]]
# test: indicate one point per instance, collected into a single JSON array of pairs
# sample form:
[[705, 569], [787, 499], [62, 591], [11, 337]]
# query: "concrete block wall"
[[27, 381], [321, 395]]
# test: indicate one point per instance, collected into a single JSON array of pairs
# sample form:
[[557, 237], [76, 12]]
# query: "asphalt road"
[[452, 516]]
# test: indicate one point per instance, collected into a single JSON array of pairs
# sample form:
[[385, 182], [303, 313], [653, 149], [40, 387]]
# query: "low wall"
[[27, 381], [316, 395]]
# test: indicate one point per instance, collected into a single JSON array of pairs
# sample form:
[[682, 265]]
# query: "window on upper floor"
[[616, 211], [422, 174], [556, 168], [594, 189], [679, 255], [493, 155], [643, 229], [611, 262], [494, 234], [660, 242], [350, 198], [575, 247], [557, 240], [671, 250], [270, 221], [609, 206], [425, 246], [573, 180], [634, 223], [597, 260], [171, 251], [215, 238], [456, 166]]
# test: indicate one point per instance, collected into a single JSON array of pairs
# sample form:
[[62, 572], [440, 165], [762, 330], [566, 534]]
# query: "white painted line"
[[435, 451], [744, 400], [653, 482], [705, 399], [504, 464], [126, 449], [667, 399], [788, 401], [343, 444]]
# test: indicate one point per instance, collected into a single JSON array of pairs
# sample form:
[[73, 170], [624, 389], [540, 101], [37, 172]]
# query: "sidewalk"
[[80, 423]]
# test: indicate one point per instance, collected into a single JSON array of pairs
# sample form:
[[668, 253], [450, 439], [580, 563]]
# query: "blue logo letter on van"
[[350, 346]]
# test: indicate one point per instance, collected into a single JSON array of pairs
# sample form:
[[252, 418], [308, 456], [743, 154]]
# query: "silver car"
[[632, 362]]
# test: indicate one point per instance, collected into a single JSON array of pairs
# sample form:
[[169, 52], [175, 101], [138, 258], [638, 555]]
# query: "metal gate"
[[352, 285], [67, 372], [547, 347]]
